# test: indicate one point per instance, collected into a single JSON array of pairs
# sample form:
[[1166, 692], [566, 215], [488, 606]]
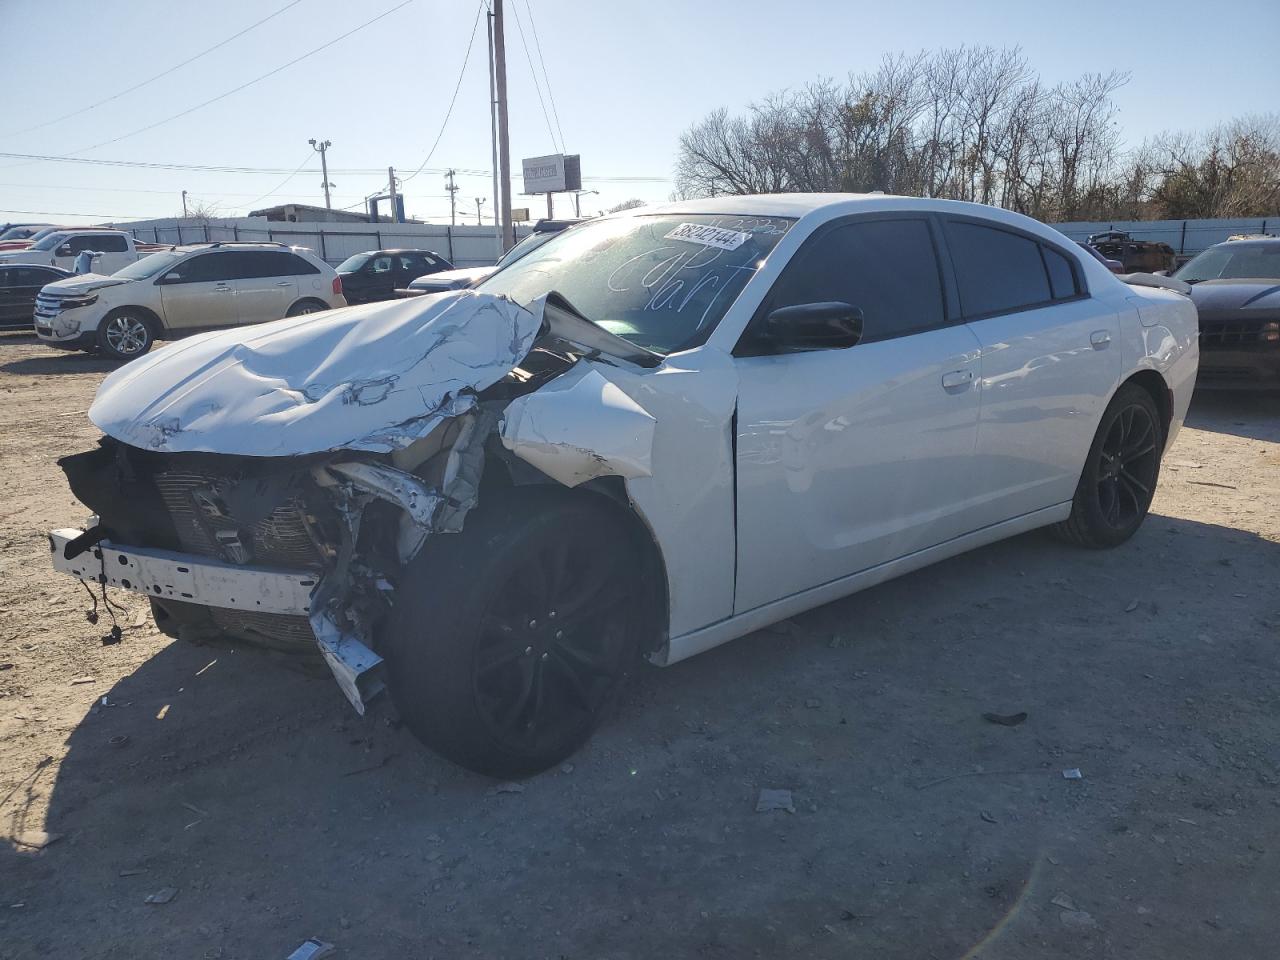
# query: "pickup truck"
[[60, 249]]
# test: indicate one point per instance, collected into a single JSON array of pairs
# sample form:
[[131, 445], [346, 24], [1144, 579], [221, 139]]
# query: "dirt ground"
[[920, 829]]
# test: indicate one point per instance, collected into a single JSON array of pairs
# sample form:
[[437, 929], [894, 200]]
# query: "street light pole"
[[479, 219], [320, 147], [184, 204]]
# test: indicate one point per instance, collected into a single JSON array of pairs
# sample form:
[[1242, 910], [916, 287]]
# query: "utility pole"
[[453, 189], [320, 147], [504, 144], [391, 179], [479, 218], [184, 204], [493, 140]]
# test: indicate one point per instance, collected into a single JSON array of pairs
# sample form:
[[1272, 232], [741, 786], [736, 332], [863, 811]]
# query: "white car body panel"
[[852, 466], [849, 458], [191, 306], [105, 263]]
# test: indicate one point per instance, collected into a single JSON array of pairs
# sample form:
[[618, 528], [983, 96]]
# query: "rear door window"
[[888, 269], [996, 271]]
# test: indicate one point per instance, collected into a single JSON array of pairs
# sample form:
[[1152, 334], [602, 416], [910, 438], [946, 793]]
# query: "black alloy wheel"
[[508, 641], [1120, 473]]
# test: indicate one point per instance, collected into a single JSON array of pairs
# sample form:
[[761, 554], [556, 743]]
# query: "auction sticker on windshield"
[[709, 236]]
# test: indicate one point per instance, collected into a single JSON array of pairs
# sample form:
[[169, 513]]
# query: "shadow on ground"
[[1240, 413], [919, 829]]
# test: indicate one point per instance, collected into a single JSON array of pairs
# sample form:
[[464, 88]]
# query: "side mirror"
[[173, 277], [832, 325], [1162, 273], [64, 250]]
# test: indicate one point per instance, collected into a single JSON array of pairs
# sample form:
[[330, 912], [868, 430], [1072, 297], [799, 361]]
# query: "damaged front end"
[[269, 486]]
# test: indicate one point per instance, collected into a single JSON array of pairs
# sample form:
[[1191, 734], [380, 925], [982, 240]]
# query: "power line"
[[538, 46], [248, 83], [304, 162], [163, 73], [452, 100], [348, 171], [515, 9]]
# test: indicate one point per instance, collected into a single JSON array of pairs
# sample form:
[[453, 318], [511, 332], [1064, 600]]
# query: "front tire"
[[125, 335], [1120, 475], [509, 640]]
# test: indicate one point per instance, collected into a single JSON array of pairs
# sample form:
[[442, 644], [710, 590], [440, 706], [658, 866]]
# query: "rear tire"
[[509, 640], [1120, 475], [306, 306], [125, 334]]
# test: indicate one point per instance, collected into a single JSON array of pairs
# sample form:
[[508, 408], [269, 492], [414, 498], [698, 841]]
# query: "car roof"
[[1251, 242], [824, 206]]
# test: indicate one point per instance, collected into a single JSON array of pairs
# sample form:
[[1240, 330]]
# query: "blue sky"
[[627, 78]]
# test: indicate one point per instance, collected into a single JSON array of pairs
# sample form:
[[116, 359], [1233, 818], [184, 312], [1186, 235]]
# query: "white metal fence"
[[1187, 237], [463, 246]]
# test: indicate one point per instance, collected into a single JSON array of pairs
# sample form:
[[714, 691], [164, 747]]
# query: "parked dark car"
[[1137, 256], [1236, 289], [375, 274], [465, 277], [19, 284]]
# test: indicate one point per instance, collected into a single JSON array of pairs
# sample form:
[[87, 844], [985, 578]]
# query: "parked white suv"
[[184, 290], [60, 249]]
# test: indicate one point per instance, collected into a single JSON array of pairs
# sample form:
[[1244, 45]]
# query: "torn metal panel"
[[418, 503], [357, 669], [375, 378], [579, 426]]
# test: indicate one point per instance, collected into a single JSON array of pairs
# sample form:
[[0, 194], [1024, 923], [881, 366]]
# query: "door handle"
[[956, 378], [1100, 338], [285, 283]]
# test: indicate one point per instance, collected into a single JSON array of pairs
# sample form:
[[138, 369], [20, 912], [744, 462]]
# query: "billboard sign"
[[555, 173]]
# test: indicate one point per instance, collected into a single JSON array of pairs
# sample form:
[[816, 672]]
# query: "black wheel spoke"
[[572, 677], [512, 710], [1134, 454], [1133, 482], [584, 659], [498, 656]]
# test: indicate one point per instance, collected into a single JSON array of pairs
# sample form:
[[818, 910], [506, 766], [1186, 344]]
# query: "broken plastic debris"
[[1063, 901], [1072, 773], [508, 788], [311, 949], [775, 800], [163, 895], [1006, 719]]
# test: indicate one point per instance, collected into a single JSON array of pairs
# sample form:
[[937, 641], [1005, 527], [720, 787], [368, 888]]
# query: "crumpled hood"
[[1217, 296], [84, 283], [374, 377]]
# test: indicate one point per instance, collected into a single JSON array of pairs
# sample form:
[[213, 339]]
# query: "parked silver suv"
[[183, 290]]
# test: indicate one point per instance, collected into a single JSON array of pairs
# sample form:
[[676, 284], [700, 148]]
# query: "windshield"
[[354, 263], [18, 233], [1234, 261], [149, 266], [661, 281], [530, 243], [49, 242]]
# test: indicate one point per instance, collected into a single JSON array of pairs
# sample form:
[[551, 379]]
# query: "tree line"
[[978, 124]]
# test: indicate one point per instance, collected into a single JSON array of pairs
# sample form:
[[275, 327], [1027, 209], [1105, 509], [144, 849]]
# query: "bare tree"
[[976, 123], [626, 205]]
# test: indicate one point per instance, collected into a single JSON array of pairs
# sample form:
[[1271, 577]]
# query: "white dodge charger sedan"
[[657, 432]]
